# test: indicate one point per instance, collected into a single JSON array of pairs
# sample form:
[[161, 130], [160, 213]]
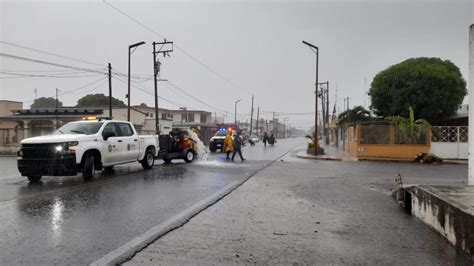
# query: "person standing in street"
[[238, 146], [228, 144], [265, 139]]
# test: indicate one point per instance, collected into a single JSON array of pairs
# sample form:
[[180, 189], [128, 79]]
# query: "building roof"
[[1, 101], [59, 111]]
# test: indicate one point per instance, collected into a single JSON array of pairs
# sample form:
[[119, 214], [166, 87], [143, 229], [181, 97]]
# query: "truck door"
[[113, 144], [130, 142]]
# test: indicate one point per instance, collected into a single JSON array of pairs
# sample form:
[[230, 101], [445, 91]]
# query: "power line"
[[147, 92], [177, 47], [50, 63], [194, 97], [65, 75], [49, 53], [81, 87]]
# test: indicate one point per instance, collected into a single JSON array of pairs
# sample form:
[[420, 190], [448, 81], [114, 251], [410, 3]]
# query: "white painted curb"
[[129, 249]]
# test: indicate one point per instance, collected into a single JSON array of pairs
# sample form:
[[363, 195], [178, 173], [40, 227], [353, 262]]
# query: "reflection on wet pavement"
[[65, 220]]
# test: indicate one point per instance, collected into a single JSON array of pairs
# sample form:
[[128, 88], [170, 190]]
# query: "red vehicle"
[[177, 145]]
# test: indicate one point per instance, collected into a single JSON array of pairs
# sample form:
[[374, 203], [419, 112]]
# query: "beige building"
[[6, 108]]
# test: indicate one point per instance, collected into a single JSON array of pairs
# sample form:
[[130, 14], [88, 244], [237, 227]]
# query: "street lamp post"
[[235, 112], [135, 45], [315, 49]]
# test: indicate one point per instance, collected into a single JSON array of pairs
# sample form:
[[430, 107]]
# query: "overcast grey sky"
[[254, 47]]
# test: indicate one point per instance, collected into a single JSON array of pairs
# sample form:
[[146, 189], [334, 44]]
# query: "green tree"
[[45, 102], [433, 87], [356, 114], [98, 100]]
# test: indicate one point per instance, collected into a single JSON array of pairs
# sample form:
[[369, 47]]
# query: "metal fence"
[[375, 134], [450, 134], [379, 133]]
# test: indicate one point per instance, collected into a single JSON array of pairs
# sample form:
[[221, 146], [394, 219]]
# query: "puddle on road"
[[221, 163]]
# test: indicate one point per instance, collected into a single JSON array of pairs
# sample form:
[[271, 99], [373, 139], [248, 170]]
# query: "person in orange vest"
[[228, 144]]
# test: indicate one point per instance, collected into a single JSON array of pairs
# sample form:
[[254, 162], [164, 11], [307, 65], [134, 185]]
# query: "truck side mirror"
[[109, 134]]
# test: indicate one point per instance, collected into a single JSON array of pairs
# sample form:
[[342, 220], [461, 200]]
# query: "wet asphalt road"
[[63, 220]]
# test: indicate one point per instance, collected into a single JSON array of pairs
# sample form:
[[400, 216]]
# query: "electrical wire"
[[147, 92], [47, 76], [50, 63], [193, 97], [177, 47], [75, 89], [52, 54]]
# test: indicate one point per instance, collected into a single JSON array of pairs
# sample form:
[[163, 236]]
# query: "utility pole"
[[36, 93], [57, 105], [347, 101], [251, 118], [315, 49], [327, 113], [266, 125], [325, 109], [110, 90], [365, 91], [156, 72], [273, 129], [258, 115]]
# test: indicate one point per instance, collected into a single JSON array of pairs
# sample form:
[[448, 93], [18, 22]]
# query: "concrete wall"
[[450, 150], [451, 221]]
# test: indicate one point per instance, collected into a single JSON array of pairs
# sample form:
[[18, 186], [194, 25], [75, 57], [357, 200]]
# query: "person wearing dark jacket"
[[265, 139], [238, 146]]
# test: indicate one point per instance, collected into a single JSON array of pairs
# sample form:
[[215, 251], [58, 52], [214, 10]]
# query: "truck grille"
[[44, 150]]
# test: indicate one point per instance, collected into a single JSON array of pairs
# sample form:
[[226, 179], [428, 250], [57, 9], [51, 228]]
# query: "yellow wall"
[[391, 151], [382, 151]]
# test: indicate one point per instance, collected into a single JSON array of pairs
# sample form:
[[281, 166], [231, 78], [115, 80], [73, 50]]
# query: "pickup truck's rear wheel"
[[149, 159], [88, 169], [189, 156], [34, 178]]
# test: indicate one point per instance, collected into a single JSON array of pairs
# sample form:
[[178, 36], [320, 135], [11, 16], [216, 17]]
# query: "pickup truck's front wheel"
[[34, 178], [88, 169], [149, 159]]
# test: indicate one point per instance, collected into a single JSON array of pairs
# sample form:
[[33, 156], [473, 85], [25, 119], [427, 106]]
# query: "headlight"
[[19, 153]]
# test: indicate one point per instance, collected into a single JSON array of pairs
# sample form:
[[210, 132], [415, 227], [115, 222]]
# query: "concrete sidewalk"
[[305, 213], [331, 152]]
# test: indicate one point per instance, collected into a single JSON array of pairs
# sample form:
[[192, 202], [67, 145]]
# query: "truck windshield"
[[220, 133], [87, 128]]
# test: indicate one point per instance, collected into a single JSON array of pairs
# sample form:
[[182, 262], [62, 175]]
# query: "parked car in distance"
[[85, 146], [254, 138]]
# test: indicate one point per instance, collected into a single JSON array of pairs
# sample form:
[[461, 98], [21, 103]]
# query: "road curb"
[[303, 155], [129, 249]]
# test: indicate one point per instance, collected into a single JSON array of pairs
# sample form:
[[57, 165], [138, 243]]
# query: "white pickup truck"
[[85, 146]]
